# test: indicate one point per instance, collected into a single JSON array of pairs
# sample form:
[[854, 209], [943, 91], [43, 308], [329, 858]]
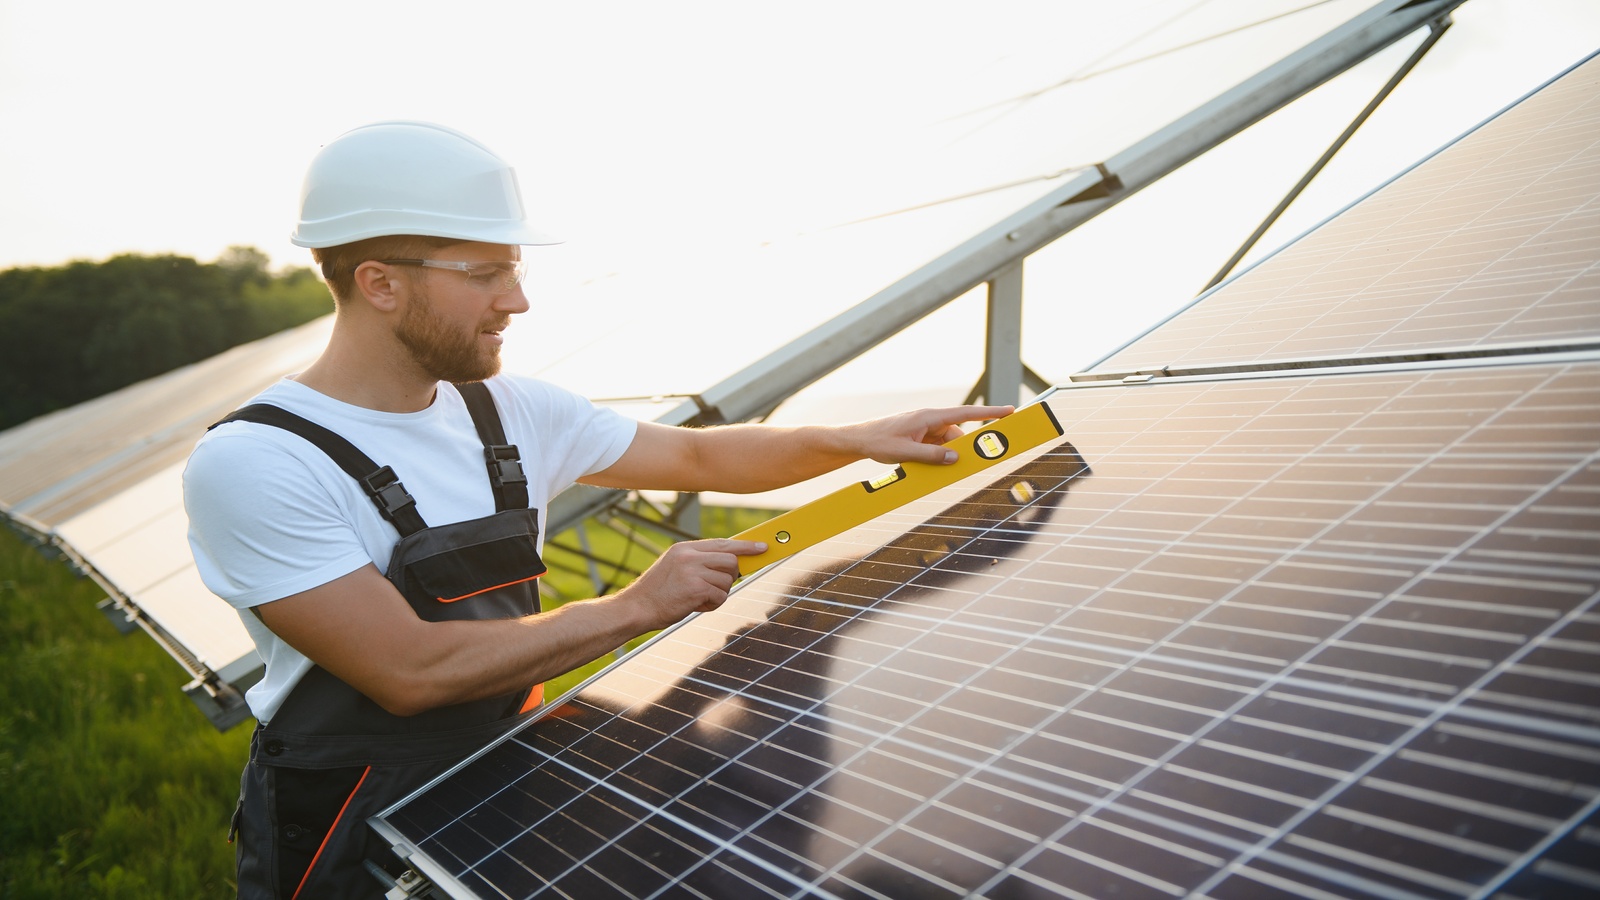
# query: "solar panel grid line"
[[1577, 876], [724, 845], [1443, 709], [1374, 709], [1356, 743], [1137, 876], [652, 810], [885, 785], [1173, 847], [1578, 646], [1436, 628], [1411, 875], [1554, 786], [1398, 683], [1480, 849], [1277, 759], [1549, 708], [1588, 679], [1292, 888], [1255, 632], [1570, 874], [1329, 875], [1471, 805], [1205, 813], [1549, 745], [1446, 659], [1055, 788]]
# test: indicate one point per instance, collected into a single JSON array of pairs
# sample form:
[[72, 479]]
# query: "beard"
[[444, 352]]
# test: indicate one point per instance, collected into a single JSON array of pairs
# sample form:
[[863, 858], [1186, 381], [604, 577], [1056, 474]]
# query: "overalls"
[[331, 758]]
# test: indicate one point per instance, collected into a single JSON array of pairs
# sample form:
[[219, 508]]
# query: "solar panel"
[[100, 480], [1490, 242], [1301, 633], [1276, 626]]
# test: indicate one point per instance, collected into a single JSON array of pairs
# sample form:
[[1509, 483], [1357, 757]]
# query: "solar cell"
[[1313, 633]]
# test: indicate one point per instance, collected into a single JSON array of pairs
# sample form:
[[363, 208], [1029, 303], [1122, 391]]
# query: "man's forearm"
[[469, 660], [458, 661]]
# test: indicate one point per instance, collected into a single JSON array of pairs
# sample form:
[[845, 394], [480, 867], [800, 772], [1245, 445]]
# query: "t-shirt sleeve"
[[261, 525]]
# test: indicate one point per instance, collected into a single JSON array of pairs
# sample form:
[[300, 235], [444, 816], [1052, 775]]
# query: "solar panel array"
[[1325, 632]]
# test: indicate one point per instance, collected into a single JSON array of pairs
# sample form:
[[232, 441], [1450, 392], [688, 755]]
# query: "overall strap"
[[380, 483], [504, 461]]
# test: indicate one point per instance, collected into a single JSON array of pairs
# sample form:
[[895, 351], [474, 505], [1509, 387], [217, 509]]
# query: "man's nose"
[[513, 301]]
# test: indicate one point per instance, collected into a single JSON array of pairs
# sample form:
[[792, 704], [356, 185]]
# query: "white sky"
[[668, 143]]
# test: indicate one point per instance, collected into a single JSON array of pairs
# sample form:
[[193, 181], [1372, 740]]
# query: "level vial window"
[[884, 480]]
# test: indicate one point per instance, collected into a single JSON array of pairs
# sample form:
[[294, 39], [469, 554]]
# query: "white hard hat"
[[410, 178]]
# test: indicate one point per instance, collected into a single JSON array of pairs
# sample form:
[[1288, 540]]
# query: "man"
[[375, 517]]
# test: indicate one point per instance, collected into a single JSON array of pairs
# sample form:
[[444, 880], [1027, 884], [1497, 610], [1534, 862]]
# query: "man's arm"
[[362, 630], [748, 458]]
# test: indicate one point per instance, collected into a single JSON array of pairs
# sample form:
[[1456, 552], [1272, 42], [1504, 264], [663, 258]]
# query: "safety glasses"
[[498, 277]]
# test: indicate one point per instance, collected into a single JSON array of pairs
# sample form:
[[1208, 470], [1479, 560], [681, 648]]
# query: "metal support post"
[[686, 514], [588, 557], [1002, 354]]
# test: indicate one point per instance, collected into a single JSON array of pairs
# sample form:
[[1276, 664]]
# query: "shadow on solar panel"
[[744, 753]]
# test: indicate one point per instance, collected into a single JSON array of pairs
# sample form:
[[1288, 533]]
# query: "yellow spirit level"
[[850, 506]]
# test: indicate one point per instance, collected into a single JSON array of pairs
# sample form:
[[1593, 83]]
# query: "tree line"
[[70, 333]]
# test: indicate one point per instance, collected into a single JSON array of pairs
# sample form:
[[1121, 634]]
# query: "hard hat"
[[410, 178]]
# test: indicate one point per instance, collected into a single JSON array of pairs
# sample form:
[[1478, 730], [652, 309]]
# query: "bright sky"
[[669, 142]]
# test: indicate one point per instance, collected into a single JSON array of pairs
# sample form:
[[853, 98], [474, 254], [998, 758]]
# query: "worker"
[[375, 517]]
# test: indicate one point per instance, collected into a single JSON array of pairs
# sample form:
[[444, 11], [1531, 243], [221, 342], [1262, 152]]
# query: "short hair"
[[339, 262]]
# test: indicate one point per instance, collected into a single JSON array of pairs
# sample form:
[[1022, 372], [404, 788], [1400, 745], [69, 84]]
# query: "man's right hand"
[[358, 626], [693, 576]]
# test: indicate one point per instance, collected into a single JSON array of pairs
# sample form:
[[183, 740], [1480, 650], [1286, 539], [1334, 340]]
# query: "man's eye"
[[486, 275]]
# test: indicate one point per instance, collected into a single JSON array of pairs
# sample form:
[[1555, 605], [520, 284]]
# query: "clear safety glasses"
[[498, 277]]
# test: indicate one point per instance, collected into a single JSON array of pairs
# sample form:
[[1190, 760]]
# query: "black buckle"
[[386, 490], [505, 465]]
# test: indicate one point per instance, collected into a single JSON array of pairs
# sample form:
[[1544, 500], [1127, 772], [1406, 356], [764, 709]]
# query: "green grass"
[[112, 783]]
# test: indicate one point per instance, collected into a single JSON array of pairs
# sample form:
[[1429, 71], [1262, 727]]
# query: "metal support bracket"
[[1436, 30], [1108, 184], [411, 885]]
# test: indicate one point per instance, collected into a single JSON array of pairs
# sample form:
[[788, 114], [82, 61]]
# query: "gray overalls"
[[330, 757]]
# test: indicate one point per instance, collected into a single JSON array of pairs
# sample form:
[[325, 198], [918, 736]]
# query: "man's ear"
[[378, 285]]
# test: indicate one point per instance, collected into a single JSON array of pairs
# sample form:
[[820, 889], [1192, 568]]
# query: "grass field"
[[112, 783]]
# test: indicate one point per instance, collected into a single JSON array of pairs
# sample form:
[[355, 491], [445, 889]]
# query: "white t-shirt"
[[270, 515]]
